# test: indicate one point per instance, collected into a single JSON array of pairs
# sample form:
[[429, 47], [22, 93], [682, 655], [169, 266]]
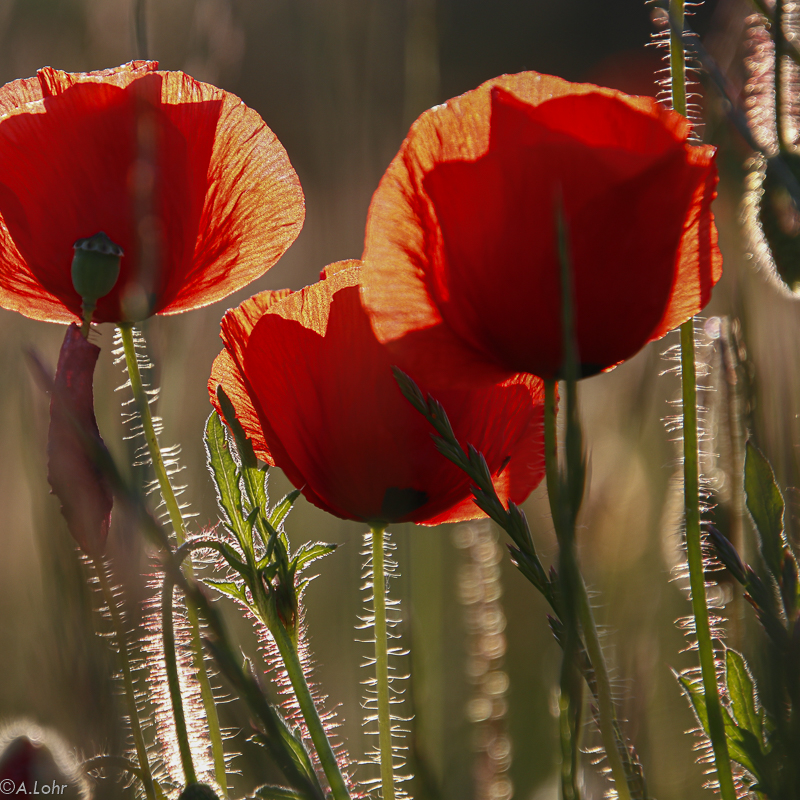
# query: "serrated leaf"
[[255, 484], [766, 506], [743, 747], [280, 511], [226, 477], [243, 444], [229, 588], [311, 552], [742, 693], [302, 585], [277, 793]]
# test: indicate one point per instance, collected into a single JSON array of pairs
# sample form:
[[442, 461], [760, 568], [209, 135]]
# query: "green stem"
[[778, 37], [127, 678], [176, 518], [694, 554], [551, 447], [677, 57], [382, 663], [173, 680], [606, 713], [691, 475], [576, 598], [294, 669]]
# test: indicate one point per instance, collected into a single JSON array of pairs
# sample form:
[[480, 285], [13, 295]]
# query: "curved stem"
[[127, 678], [327, 758], [694, 555], [176, 518], [382, 663]]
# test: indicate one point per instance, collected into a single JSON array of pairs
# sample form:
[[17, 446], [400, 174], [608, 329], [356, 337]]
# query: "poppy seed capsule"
[[95, 267]]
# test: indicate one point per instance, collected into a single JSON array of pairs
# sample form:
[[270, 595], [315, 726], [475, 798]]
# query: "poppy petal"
[[187, 180], [461, 232], [334, 419]]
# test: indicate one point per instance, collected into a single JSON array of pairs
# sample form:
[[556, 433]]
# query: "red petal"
[[462, 234], [73, 473], [186, 179], [335, 421]]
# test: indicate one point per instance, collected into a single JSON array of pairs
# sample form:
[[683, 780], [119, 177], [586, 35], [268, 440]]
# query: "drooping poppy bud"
[[74, 443], [36, 762]]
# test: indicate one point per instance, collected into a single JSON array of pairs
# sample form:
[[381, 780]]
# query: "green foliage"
[[264, 571], [746, 724], [763, 740], [266, 577], [766, 507]]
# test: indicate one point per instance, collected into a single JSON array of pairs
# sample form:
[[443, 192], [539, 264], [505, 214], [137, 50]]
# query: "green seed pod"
[[95, 267], [198, 791]]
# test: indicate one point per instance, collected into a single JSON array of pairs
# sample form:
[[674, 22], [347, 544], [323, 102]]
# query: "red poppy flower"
[[313, 388], [187, 180], [462, 236]]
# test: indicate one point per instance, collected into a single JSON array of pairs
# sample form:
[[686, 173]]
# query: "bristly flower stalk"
[[123, 651], [162, 468], [381, 692], [691, 479]]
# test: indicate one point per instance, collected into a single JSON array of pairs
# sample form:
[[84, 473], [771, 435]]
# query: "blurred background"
[[339, 81]]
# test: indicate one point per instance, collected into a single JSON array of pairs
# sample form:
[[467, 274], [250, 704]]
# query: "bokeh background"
[[339, 81]]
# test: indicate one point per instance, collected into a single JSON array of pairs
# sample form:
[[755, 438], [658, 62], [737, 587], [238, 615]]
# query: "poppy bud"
[[34, 761], [74, 445]]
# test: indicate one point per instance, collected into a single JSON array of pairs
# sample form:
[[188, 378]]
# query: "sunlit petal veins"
[[334, 419]]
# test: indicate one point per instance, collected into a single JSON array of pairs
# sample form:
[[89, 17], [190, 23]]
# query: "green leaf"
[[232, 557], [765, 504], [743, 747], [293, 744], [742, 694], [234, 590], [278, 793], [243, 443], [311, 552], [283, 508], [226, 478]]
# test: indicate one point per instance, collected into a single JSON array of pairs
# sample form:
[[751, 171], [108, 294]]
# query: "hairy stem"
[[694, 555], [382, 663], [173, 680], [576, 596], [176, 518], [127, 678], [294, 669], [691, 474]]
